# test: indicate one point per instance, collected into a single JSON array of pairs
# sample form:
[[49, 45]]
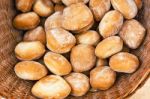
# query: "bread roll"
[[76, 17], [90, 37], [111, 23], [124, 62], [99, 8], [60, 40], [79, 83], [43, 7], [127, 7], [37, 34], [57, 63], [132, 33], [26, 21], [29, 50], [30, 70], [108, 47], [53, 21], [51, 87], [102, 78], [24, 5], [82, 57]]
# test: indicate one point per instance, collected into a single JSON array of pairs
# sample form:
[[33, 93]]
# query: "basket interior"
[[13, 87]]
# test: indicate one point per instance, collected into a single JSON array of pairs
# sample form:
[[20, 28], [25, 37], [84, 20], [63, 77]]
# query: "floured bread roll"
[[102, 78], [79, 83], [76, 17], [99, 8], [111, 24], [108, 47], [127, 7], [29, 50], [51, 87], [53, 21], [60, 40], [37, 34], [90, 37], [57, 63], [132, 33], [43, 7], [30, 70], [124, 62], [82, 57]]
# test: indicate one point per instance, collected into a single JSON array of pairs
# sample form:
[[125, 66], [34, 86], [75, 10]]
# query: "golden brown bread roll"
[[60, 40], [102, 78], [108, 47], [26, 21], [29, 50], [111, 23], [53, 21], [79, 83], [138, 3], [99, 8], [124, 62], [132, 33], [127, 7], [82, 57], [70, 2], [59, 7], [101, 62], [24, 5], [90, 37], [30, 70], [57, 63], [76, 17], [43, 7], [37, 34], [51, 87]]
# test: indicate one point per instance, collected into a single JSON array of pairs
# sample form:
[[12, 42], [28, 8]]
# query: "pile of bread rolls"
[[74, 46]]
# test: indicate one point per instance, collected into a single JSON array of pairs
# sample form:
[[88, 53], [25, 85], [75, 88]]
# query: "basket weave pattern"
[[14, 88]]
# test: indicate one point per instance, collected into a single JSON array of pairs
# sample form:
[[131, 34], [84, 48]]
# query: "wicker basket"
[[12, 87]]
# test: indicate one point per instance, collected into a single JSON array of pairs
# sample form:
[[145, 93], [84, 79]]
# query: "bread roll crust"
[[57, 63], [127, 7], [79, 83], [37, 34], [90, 37], [82, 57], [60, 40], [51, 87], [26, 21], [30, 70], [76, 17], [53, 21], [111, 23], [99, 8], [132, 33], [102, 78], [108, 47], [124, 62], [29, 50]]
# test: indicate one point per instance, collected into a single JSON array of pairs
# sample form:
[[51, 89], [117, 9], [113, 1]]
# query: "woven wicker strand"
[[12, 87]]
